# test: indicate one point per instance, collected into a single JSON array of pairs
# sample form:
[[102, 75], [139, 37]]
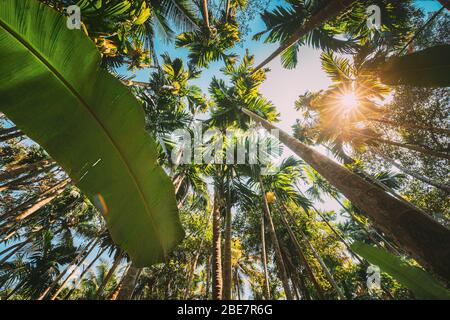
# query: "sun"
[[349, 101]]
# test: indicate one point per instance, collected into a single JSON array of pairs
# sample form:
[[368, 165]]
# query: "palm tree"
[[214, 38], [282, 25]]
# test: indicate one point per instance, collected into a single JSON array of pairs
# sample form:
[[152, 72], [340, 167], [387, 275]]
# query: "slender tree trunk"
[[217, 250], [238, 287], [36, 203], [205, 12], [264, 259], [129, 283], [111, 271], [25, 179], [441, 186], [367, 231], [302, 255], [330, 11], [208, 277], [411, 126], [414, 148], [418, 234], [17, 288], [4, 131], [12, 135], [194, 263], [325, 269], [80, 278], [15, 172], [227, 271], [13, 252], [70, 276], [62, 273], [227, 10], [276, 245], [428, 152], [116, 291]]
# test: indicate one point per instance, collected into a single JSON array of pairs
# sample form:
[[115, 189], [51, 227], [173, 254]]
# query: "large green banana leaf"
[[51, 86], [426, 68], [418, 281]]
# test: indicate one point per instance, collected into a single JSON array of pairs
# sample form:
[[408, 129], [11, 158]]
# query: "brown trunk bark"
[[264, 259], [17, 171], [194, 263], [11, 136], [227, 272], [302, 255], [325, 269], [411, 126], [80, 278], [205, 12], [208, 277], [70, 276], [418, 234], [99, 294], [217, 250], [62, 273], [129, 283], [9, 255], [330, 11], [25, 179], [276, 245], [35, 203], [443, 187]]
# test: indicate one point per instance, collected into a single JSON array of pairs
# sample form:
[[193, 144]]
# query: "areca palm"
[[216, 35], [284, 21]]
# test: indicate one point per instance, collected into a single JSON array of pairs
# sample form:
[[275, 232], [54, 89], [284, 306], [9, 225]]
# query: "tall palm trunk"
[[205, 13], [34, 204], [412, 147], [329, 12], [216, 249], [5, 131], [13, 252], [367, 230], [71, 265], [418, 234], [108, 276], [80, 278], [278, 256], [302, 255], [264, 259], [194, 262], [129, 282], [411, 126], [15, 172], [12, 135], [26, 178], [236, 281], [227, 271], [443, 187], [71, 275], [325, 269], [208, 277]]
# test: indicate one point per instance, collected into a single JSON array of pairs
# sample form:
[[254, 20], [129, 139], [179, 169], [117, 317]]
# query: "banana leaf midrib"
[[73, 91]]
